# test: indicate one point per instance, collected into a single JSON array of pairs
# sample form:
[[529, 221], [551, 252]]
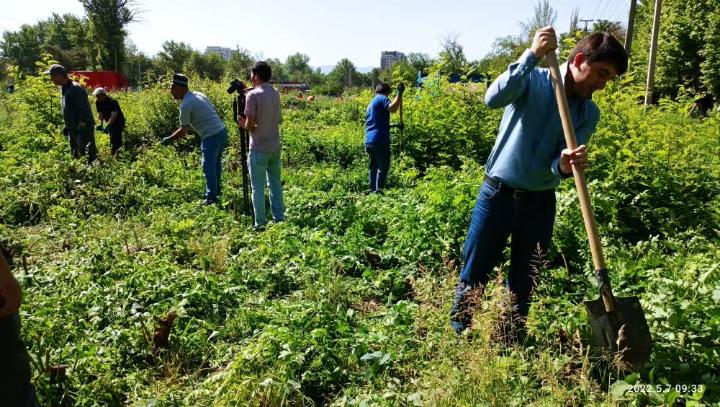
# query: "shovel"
[[618, 323]]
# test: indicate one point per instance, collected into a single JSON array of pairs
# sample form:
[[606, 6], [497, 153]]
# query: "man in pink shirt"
[[262, 120]]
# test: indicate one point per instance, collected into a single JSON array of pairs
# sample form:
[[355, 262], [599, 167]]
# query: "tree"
[[344, 73], [67, 40], [452, 57], [377, 75], [688, 47], [210, 66], [108, 19], [137, 64], [419, 62], [402, 71], [614, 28], [574, 20], [297, 68], [64, 37], [505, 50], [543, 16], [278, 70], [22, 48], [240, 64], [173, 57]]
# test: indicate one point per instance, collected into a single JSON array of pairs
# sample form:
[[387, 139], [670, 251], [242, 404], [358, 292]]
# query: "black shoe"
[[259, 228], [210, 201]]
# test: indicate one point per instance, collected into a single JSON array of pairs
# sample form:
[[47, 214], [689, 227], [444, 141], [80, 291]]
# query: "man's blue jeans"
[[265, 167], [526, 216], [212, 149], [379, 165]]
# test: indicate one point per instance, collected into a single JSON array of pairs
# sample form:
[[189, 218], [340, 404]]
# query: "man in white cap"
[[109, 111], [77, 115]]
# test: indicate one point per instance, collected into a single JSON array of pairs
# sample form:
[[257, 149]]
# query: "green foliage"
[[65, 37], [343, 76], [240, 64], [403, 72], [173, 57], [452, 57], [108, 19], [346, 302], [687, 48], [210, 66], [446, 123]]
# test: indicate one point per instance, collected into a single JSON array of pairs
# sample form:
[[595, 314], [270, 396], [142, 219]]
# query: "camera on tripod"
[[236, 86]]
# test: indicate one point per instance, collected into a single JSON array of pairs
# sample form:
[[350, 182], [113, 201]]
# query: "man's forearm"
[[395, 104]]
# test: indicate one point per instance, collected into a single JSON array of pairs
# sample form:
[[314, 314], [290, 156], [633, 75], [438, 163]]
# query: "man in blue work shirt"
[[377, 134], [198, 112], [528, 161], [77, 115]]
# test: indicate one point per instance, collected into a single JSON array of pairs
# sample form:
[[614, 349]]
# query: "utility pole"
[[653, 54], [630, 25], [586, 24]]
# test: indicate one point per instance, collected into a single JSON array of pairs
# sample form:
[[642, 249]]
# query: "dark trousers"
[[379, 155], [115, 138], [499, 213], [15, 387], [82, 142]]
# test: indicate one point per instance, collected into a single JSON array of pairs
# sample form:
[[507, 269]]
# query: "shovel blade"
[[624, 330]]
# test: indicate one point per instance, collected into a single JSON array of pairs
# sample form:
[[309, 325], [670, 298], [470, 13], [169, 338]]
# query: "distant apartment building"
[[388, 58], [222, 51]]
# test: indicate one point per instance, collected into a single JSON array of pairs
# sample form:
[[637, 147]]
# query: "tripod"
[[238, 109]]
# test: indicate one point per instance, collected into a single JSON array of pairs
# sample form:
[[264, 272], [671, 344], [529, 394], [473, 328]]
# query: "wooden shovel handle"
[[580, 184]]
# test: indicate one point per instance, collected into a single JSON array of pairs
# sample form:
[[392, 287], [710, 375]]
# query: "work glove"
[[166, 141], [99, 127], [401, 89]]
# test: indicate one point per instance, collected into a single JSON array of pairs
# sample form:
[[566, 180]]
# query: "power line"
[[597, 8], [605, 9], [619, 10]]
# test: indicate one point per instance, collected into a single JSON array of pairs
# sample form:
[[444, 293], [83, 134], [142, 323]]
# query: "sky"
[[326, 30]]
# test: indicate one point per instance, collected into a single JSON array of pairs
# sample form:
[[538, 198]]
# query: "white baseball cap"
[[99, 91]]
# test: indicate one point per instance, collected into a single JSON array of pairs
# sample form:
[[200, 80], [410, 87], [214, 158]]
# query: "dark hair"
[[263, 70], [602, 47], [383, 88]]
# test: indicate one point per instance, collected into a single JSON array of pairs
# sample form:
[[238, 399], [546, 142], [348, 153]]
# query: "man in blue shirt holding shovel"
[[528, 162]]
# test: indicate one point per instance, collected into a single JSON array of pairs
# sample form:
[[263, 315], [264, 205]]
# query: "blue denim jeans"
[[265, 168], [212, 149], [379, 155], [498, 214]]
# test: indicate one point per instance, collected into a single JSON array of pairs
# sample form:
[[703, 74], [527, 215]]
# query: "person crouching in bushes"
[[108, 110], [198, 112], [377, 134]]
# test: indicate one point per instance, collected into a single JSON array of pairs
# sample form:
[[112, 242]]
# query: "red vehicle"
[[109, 80]]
